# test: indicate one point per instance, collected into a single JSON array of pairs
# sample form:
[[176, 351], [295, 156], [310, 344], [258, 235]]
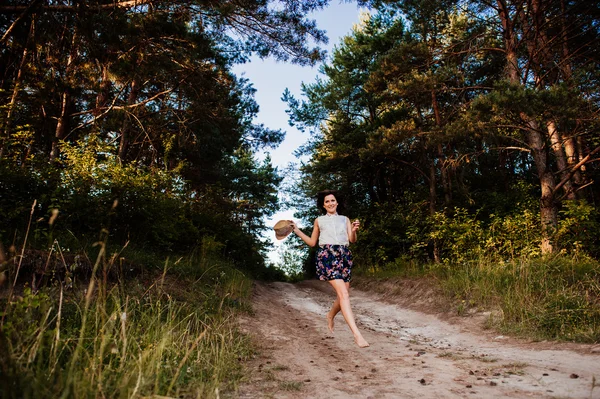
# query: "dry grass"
[[554, 297], [167, 334]]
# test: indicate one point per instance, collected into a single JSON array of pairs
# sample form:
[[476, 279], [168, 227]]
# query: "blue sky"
[[271, 78]]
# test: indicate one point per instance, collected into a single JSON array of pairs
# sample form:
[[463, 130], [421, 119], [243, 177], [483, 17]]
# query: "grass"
[[485, 359], [449, 355], [515, 368], [291, 385], [555, 297], [171, 333]]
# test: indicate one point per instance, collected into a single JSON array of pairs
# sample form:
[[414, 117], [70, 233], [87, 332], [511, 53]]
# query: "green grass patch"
[[170, 333], [555, 297]]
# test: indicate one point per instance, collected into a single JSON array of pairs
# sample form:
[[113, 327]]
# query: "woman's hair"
[[321, 200]]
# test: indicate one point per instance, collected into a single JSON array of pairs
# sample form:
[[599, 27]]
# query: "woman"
[[333, 233]]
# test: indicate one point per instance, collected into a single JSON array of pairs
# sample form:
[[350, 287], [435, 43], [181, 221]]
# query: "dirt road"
[[412, 354]]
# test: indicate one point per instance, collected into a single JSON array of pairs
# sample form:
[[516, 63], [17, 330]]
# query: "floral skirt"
[[334, 262]]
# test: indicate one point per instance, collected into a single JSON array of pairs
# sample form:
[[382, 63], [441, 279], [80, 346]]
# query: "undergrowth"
[[170, 333], [555, 297]]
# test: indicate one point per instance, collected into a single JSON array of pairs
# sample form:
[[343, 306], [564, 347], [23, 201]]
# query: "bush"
[[95, 195], [578, 228]]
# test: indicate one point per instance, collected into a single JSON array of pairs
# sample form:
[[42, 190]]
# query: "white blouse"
[[333, 230]]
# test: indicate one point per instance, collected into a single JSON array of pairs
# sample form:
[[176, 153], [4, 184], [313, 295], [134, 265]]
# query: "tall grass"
[[170, 334], [554, 297]]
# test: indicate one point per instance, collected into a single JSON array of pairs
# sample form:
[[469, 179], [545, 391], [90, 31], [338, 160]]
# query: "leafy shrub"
[[462, 236], [398, 230], [578, 228], [94, 194], [513, 235], [458, 234]]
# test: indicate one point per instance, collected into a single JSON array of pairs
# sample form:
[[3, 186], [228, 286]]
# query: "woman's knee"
[[344, 295], [342, 292]]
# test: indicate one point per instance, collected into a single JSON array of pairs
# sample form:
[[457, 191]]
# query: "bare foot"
[[360, 341], [330, 322]]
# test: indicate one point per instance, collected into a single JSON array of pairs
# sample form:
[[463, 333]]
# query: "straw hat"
[[282, 229]]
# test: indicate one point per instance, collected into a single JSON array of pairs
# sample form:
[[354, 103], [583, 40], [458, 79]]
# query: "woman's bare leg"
[[341, 289], [335, 309]]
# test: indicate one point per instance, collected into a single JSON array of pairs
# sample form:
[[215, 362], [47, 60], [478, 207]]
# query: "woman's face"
[[330, 203]]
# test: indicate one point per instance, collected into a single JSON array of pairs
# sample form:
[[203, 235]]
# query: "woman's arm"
[[313, 239], [352, 228]]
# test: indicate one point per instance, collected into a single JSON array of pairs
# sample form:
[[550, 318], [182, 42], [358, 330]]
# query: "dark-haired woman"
[[333, 233]]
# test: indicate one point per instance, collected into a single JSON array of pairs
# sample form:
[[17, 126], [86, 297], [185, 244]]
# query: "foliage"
[[448, 150], [463, 135], [407, 232], [578, 227], [127, 118], [143, 207]]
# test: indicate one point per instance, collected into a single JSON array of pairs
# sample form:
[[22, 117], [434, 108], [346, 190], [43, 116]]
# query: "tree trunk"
[[13, 98], [566, 66], [510, 42], [567, 71], [104, 92], [444, 175], [65, 106], [440, 151], [548, 206], [561, 159], [125, 129], [504, 169], [582, 149], [432, 199], [61, 124], [572, 159]]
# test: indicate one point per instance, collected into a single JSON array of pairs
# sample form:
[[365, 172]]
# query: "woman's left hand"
[[355, 225]]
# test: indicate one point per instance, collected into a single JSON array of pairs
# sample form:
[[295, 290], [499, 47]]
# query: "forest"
[[458, 130], [126, 117], [464, 134]]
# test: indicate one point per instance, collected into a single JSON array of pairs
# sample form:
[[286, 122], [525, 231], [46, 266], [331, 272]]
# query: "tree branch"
[[574, 169], [112, 107], [64, 8], [409, 164], [26, 11]]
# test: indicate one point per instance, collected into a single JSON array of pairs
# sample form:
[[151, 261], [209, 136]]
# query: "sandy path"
[[412, 354]]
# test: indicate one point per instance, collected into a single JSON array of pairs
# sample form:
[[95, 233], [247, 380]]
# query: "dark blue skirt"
[[334, 262]]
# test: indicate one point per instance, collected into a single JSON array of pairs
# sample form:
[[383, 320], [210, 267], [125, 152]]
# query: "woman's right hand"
[[294, 227], [310, 241]]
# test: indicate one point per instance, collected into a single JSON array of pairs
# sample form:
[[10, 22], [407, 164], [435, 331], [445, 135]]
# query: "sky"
[[270, 79]]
